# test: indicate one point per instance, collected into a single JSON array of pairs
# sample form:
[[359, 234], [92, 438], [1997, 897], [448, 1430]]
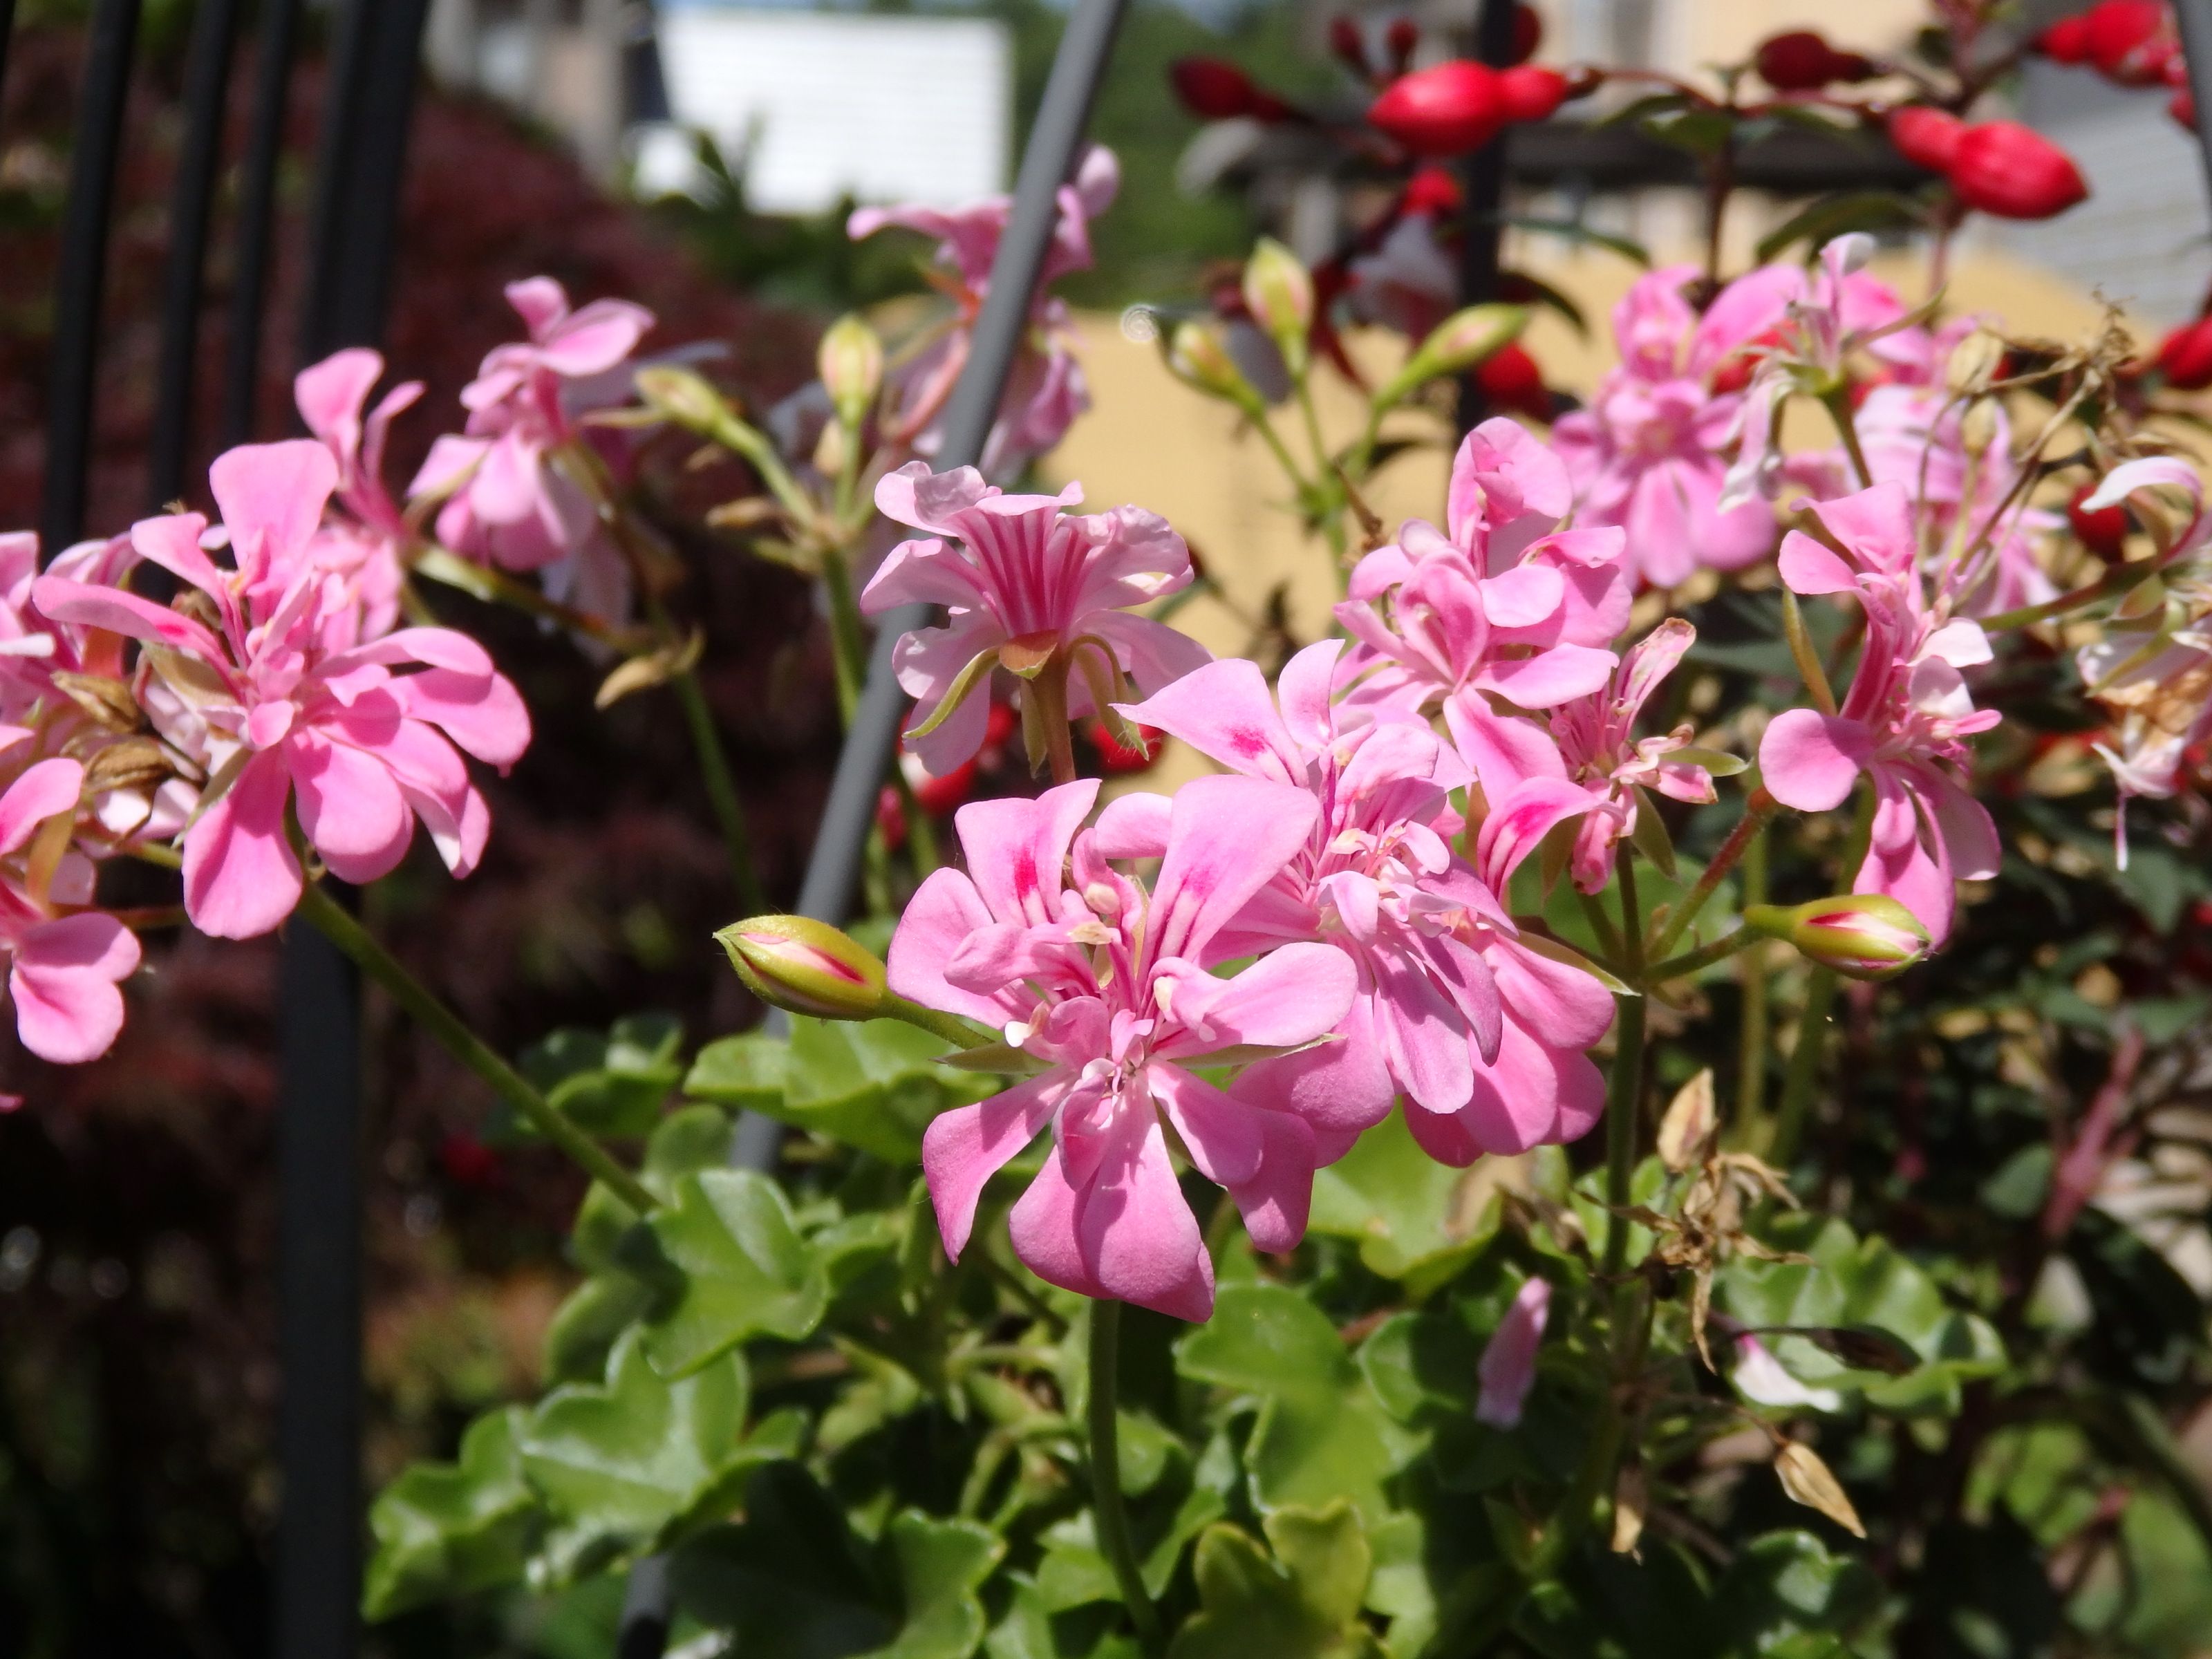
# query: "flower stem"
[[2121, 579], [953, 1029], [337, 925], [1112, 1520], [1751, 1044], [849, 644], [721, 790], [1691, 962], [1838, 404], [1757, 812], [1624, 1086], [1804, 1068]]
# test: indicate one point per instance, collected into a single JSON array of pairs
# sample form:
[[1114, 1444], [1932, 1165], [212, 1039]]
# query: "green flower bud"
[[806, 967], [851, 363], [1459, 342], [683, 396], [1278, 292], [1860, 935], [1198, 356]]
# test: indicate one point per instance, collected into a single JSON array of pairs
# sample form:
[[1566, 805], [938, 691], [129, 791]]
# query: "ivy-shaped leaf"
[[446, 1529], [1415, 1219], [1032, 1630], [1321, 1431], [610, 1083], [1301, 1602], [871, 1084], [745, 1270]]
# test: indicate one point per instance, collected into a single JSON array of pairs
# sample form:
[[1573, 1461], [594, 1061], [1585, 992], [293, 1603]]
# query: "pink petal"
[[1569, 1007], [1229, 837], [67, 1007], [540, 301], [925, 572], [1303, 689], [240, 878], [50, 788], [1264, 1159], [1551, 677], [1424, 1041], [1875, 523], [1508, 1366], [1810, 568], [1514, 1103], [1224, 711], [963, 1148], [1503, 751], [1522, 820], [350, 805], [272, 498], [1288, 997], [1810, 761], [1017, 850], [482, 713], [943, 911], [594, 339], [1523, 596], [127, 614], [1134, 826], [1340, 1087], [330, 394]]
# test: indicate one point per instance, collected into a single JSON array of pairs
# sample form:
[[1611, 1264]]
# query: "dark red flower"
[[1116, 757], [1801, 60], [1431, 189], [1348, 45], [1527, 32], [2003, 168], [2066, 41], [1399, 40], [1214, 90]]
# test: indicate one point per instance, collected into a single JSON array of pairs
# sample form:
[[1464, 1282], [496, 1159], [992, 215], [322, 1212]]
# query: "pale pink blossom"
[[1650, 451], [1905, 719], [366, 541], [1017, 571], [301, 713], [1502, 601], [1762, 1379], [1045, 390], [65, 962], [1101, 983], [510, 486], [1507, 1370], [1452, 1009]]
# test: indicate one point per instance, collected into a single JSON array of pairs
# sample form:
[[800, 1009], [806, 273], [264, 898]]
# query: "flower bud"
[[1926, 137], [2128, 42], [1975, 361], [1977, 427], [1212, 88], [1459, 342], [1278, 292], [1445, 110], [1400, 39], [683, 396], [1531, 92], [2185, 356], [1198, 356], [1859, 935], [2103, 530], [1801, 60], [1348, 44], [2066, 41], [850, 361], [1527, 32], [1512, 383], [2012, 171], [805, 966]]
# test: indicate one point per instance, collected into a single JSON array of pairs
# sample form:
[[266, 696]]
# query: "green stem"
[[1691, 962], [1050, 687], [481, 582], [1757, 811], [337, 925], [1802, 653], [848, 643], [2121, 579], [1624, 1088], [1804, 1071], [953, 1029], [1839, 404], [1751, 1049], [1112, 1520], [721, 790]]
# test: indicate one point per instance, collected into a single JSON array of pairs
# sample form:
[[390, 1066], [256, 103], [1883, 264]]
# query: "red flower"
[[1214, 90], [2103, 530], [2066, 41], [2129, 41], [1445, 110], [1512, 384], [1531, 93], [1801, 60], [1115, 756], [2185, 356], [1926, 137], [2003, 168], [1527, 32]]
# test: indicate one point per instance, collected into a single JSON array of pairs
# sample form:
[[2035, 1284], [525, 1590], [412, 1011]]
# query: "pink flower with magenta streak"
[[1015, 571], [1649, 454], [1101, 982], [1502, 601], [1479, 1032], [63, 968], [300, 708], [1905, 719]]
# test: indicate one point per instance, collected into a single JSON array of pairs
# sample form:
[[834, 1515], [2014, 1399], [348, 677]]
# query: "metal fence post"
[[1484, 183]]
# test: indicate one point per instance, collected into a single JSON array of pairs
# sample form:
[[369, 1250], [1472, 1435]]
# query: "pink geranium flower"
[[63, 963], [1905, 719], [1046, 389], [1453, 1009], [1021, 579], [511, 496], [298, 709], [1501, 601], [1507, 1370], [1649, 453], [369, 540], [1101, 982]]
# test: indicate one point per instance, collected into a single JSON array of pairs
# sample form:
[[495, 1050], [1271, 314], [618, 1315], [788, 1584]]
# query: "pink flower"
[[1502, 601], [297, 709], [1101, 983], [1649, 453], [369, 540], [1903, 722], [1594, 744], [1507, 1369], [1480, 1033], [512, 496], [64, 962], [1045, 390], [1020, 578]]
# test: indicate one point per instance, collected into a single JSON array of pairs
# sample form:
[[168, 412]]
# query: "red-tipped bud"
[[2103, 530], [1214, 90], [1859, 935], [2066, 41], [1431, 189], [805, 966], [2129, 41], [1530, 93], [2003, 168], [1399, 40], [1801, 60], [1512, 384], [1347, 44], [2185, 356], [1446, 110], [1926, 137], [1527, 32]]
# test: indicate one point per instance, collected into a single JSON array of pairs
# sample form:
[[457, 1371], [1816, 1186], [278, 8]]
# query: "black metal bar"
[[2194, 17], [257, 216], [7, 33], [1484, 180], [207, 84], [81, 276], [383, 115], [350, 58]]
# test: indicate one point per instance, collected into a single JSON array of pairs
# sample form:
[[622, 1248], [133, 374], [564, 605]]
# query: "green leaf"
[[1414, 1218], [1074, 1572], [584, 1327], [1836, 215], [689, 1138], [610, 1083], [874, 1084], [746, 1271], [446, 1529], [1301, 1603], [631, 1463], [1321, 1432], [1786, 1586], [1030, 1630]]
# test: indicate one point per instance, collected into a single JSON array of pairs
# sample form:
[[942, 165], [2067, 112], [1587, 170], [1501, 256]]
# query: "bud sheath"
[[805, 966]]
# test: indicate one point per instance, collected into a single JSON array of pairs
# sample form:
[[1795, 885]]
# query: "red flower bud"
[[1115, 756], [1512, 384], [1531, 94], [468, 1162], [891, 818], [934, 795], [2104, 530], [1348, 44], [2128, 40], [1801, 60], [2185, 356], [2066, 41], [1399, 40], [1214, 90], [1431, 189], [1446, 110], [1735, 370], [1926, 137], [1527, 32], [2003, 168]]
